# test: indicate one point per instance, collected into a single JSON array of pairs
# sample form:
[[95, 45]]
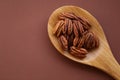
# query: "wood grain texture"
[[101, 57]]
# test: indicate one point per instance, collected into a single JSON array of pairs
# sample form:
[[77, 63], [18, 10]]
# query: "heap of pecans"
[[73, 33]]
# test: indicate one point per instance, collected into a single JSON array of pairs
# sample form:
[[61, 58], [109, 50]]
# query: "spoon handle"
[[108, 64]]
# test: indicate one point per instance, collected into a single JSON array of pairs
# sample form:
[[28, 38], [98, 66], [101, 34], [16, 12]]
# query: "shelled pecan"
[[80, 53], [64, 42]]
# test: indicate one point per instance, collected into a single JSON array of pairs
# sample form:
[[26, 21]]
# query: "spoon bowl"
[[101, 57]]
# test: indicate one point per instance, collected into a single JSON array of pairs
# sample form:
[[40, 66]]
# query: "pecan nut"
[[70, 27], [64, 29], [76, 33], [80, 27], [69, 15], [58, 26], [64, 42], [91, 41], [81, 42], [80, 53], [75, 41], [84, 22]]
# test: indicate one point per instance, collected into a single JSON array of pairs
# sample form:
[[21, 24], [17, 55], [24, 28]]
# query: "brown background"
[[26, 52]]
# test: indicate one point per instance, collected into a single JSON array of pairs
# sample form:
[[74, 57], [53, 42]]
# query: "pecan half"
[[76, 33], [91, 41], [75, 41], [84, 22], [81, 42], [70, 27], [64, 42], [69, 15], [59, 32], [64, 29], [58, 26], [80, 53], [66, 21], [80, 27]]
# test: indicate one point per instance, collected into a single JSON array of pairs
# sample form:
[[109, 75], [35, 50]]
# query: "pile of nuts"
[[74, 34]]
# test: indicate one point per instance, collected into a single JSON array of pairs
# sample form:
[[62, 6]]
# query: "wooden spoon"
[[102, 57]]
